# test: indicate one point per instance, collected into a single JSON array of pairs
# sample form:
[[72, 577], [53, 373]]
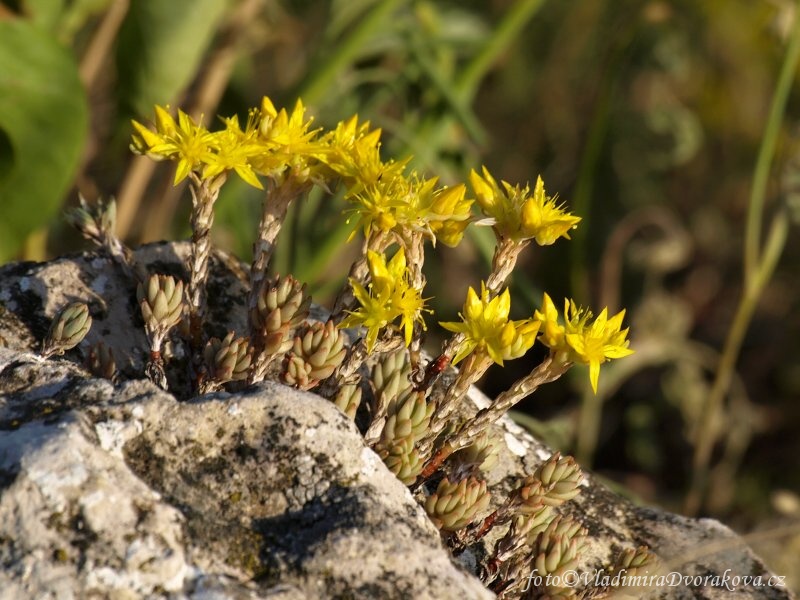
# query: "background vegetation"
[[647, 117]]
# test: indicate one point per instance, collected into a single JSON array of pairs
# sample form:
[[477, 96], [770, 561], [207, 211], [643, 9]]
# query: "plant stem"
[[204, 195], [274, 212], [758, 269], [766, 154]]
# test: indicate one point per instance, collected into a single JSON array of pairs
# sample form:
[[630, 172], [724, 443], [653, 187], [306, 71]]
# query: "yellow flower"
[[487, 329], [352, 152], [585, 343], [443, 213], [187, 142], [413, 204], [288, 140], [234, 150], [553, 332], [388, 297], [517, 214]]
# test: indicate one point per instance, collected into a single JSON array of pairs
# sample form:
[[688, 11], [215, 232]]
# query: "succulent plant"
[[228, 359], [391, 376], [556, 549], [100, 361], [68, 328], [480, 454], [161, 302], [408, 416], [315, 355], [561, 479], [282, 305], [634, 561], [454, 505], [348, 399], [402, 459], [297, 373], [97, 224], [94, 223]]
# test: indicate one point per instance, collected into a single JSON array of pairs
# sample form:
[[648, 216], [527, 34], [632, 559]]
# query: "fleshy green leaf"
[[160, 47], [43, 125]]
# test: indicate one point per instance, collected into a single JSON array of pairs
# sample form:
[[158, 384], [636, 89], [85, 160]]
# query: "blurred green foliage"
[[645, 115]]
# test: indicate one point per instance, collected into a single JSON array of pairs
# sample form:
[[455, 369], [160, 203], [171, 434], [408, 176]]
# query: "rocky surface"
[[122, 491]]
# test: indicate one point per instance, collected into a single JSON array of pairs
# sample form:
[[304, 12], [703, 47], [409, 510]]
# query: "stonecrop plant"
[[414, 418]]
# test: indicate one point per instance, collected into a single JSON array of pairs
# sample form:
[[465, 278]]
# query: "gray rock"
[[125, 492]]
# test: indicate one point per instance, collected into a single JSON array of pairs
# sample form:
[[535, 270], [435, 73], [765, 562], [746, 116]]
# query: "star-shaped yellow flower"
[[487, 329], [520, 215], [388, 297], [187, 142], [234, 151], [587, 343]]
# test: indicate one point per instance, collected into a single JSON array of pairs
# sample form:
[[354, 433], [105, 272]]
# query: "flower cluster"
[[487, 328], [413, 430], [517, 214], [270, 142], [388, 297], [578, 340]]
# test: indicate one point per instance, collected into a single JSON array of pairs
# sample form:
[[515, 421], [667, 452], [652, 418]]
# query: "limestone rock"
[[122, 491]]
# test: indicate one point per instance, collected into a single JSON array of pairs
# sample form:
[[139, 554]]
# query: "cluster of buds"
[[407, 419], [100, 361], [69, 327], [281, 306], [315, 355], [454, 505], [161, 303], [226, 360]]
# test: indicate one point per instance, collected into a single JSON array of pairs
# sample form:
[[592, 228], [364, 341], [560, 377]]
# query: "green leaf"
[[43, 126], [44, 13], [160, 48]]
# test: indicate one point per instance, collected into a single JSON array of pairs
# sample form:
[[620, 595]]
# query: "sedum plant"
[[417, 421]]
